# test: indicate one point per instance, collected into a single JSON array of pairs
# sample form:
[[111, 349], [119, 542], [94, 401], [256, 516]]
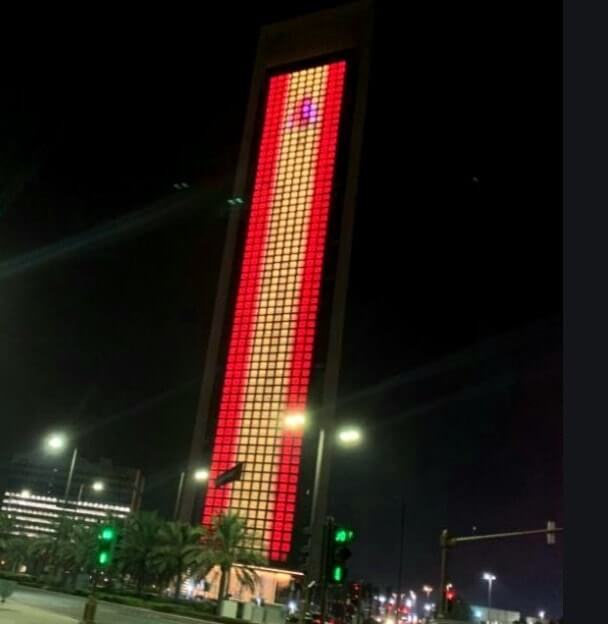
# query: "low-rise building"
[[494, 616], [33, 488]]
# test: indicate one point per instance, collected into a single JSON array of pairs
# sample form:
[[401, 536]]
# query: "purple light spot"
[[305, 113]]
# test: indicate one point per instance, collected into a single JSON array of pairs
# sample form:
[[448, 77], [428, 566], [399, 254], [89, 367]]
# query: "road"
[[37, 606]]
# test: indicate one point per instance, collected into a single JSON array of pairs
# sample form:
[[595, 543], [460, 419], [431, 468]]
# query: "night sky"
[[452, 360]]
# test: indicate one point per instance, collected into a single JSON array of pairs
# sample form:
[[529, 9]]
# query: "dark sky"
[[452, 358]]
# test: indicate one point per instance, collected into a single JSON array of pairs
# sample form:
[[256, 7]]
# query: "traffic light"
[[106, 541], [450, 596], [338, 552]]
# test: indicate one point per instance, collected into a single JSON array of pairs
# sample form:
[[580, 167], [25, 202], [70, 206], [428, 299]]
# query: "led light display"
[[266, 377]]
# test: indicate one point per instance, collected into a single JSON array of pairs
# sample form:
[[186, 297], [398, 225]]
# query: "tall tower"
[[278, 318]]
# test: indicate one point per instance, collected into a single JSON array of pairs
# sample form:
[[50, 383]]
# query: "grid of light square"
[[273, 329]]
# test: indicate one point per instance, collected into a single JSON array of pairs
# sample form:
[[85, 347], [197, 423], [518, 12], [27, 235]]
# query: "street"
[[36, 606]]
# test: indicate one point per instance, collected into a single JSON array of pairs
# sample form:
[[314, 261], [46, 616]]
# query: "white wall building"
[[494, 616]]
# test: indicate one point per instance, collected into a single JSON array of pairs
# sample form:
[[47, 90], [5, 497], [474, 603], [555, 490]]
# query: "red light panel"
[[274, 323]]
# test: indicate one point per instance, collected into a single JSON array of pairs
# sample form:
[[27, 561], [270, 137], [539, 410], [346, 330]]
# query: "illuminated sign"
[[266, 379]]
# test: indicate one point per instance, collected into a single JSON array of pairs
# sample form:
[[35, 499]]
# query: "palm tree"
[[139, 540], [77, 552], [180, 547], [230, 542], [16, 551], [7, 525], [39, 553]]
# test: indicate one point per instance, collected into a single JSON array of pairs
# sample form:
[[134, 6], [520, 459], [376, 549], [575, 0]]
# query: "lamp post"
[[96, 486], [55, 443], [490, 578], [201, 475], [347, 436]]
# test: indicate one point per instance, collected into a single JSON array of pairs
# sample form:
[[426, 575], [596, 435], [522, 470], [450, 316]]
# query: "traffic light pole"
[[446, 542], [328, 531]]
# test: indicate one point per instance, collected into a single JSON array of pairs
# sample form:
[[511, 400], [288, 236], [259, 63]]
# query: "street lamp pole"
[[401, 548], [68, 484], [200, 476], [178, 498], [490, 578], [490, 594], [314, 572]]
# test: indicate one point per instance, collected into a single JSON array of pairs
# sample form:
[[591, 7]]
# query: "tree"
[[230, 542], [139, 541], [16, 552], [39, 553], [7, 525], [78, 550], [179, 547]]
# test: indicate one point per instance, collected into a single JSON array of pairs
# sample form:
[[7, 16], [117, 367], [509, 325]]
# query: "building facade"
[[494, 616], [273, 354], [36, 515], [33, 490]]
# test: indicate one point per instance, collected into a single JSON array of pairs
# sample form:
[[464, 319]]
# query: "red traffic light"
[[450, 593]]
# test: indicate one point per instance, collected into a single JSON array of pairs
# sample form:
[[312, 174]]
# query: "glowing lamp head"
[[295, 420], [201, 475], [350, 436], [488, 576], [56, 442], [98, 486]]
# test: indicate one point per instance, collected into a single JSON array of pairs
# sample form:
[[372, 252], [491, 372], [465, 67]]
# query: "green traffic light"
[[108, 533], [337, 574], [103, 558], [344, 536]]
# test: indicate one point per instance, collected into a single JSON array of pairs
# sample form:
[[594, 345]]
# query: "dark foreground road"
[[35, 606]]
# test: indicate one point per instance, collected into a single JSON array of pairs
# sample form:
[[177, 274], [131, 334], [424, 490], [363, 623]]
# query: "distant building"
[[494, 616], [33, 489], [38, 515]]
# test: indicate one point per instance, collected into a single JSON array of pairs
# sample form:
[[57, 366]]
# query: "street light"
[[55, 443], [488, 576], [295, 420], [98, 486], [200, 475], [349, 436], [541, 615], [427, 589]]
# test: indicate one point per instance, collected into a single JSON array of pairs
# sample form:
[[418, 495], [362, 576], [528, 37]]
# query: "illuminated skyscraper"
[[297, 174]]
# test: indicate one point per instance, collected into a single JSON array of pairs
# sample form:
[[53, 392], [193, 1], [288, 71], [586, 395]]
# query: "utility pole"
[[401, 548], [446, 542], [178, 498], [328, 530]]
